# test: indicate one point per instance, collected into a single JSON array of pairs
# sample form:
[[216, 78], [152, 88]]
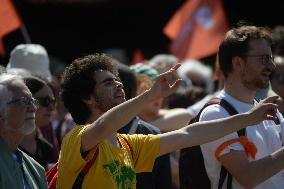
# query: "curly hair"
[[236, 43], [78, 82]]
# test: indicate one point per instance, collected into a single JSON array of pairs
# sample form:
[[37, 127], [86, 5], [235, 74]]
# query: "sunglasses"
[[25, 102], [46, 101]]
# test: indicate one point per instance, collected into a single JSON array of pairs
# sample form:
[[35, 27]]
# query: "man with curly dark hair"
[[79, 83], [94, 95]]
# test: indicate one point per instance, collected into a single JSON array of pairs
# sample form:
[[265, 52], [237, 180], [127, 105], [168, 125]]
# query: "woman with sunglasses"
[[35, 144]]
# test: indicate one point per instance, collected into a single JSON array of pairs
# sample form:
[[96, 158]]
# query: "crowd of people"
[[132, 121]]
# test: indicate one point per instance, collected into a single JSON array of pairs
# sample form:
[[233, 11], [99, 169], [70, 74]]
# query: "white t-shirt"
[[266, 136], [195, 108]]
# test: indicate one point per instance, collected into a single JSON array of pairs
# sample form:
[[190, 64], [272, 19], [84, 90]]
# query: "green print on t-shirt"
[[124, 176]]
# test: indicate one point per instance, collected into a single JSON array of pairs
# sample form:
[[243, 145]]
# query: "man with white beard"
[[17, 119]]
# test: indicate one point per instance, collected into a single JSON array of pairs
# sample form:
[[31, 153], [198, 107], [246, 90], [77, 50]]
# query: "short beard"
[[24, 130], [27, 128], [255, 84], [102, 105]]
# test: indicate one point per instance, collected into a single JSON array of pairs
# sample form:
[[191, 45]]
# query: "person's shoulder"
[[146, 128], [76, 131], [213, 111], [137, 138], [29, 160]]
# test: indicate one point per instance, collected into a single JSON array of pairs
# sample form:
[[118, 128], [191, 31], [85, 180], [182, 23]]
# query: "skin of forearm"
[[211, 130], [202, 132], [112, 120], [260, 170], [120, 115]]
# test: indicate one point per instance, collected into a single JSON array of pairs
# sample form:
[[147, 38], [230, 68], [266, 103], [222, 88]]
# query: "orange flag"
[[197, 29], [9, 20], [137, 57]]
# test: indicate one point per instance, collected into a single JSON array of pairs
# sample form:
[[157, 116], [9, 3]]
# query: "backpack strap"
[[209, 103], [232, 111], [185, 183], [79, 180], [224, 173]]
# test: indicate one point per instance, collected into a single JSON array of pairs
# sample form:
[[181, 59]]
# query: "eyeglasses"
[[25, 102], [46, 101], [264, 58]]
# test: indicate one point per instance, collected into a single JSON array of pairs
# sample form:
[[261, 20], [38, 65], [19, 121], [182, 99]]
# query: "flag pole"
[[25, 34]]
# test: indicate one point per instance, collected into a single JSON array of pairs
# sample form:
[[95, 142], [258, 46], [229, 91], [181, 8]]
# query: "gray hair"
[[5, 93]]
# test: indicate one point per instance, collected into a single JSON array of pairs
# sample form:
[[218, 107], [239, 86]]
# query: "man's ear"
[[238, 63]]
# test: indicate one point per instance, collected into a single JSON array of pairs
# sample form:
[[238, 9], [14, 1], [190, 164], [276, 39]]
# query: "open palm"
[[166, 83]]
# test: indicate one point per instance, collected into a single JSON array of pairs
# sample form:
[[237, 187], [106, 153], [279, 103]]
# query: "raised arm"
[[117, 117], [206, 131]]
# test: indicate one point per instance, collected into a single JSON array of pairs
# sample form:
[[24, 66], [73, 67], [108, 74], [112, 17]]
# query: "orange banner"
[[9, 20], [137, 57], [197, 29]]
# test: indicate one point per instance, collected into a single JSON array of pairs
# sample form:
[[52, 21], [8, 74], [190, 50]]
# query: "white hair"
[[20, 72], [204, 71], [164, 58], [5, 93], [162, 62]]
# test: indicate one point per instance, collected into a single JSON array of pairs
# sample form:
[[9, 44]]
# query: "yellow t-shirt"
[[114, 167]]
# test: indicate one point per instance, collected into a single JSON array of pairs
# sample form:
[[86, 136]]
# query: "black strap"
[[210, 102], [224, 173], [232, 111], [79, 180]]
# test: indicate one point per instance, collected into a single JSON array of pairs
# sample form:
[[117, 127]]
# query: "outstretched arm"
[[206, 131], [255, 172], [117, 117]]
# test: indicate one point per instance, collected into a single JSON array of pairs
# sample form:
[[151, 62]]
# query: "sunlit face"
[[19, 116], [109, 91], [46, 100], [258, 65]]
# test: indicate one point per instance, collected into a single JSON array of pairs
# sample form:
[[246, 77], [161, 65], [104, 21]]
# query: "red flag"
[[197, 29], [9, 20], [137, 57]]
